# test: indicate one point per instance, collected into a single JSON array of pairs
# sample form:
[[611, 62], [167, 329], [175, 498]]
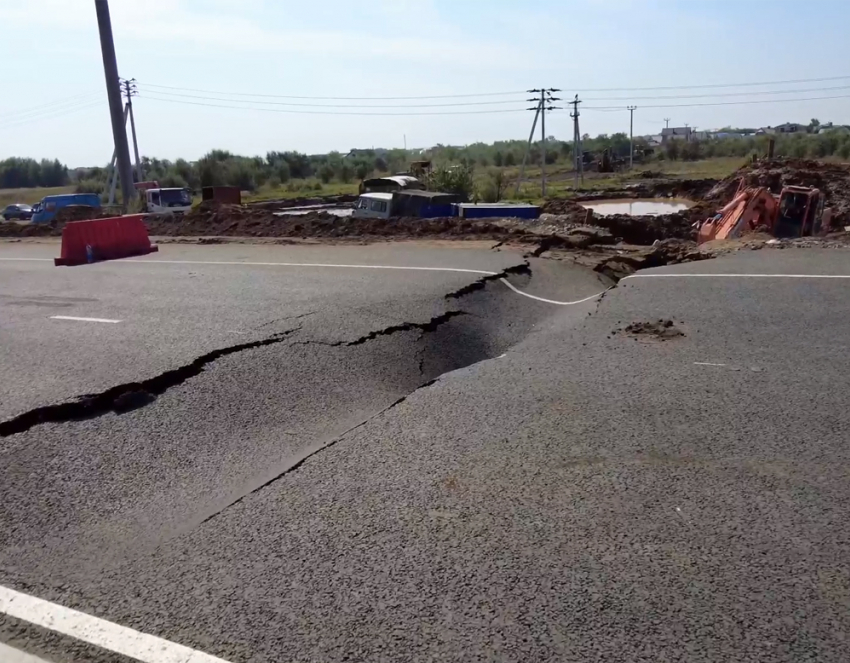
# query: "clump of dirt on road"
[[662, 330]]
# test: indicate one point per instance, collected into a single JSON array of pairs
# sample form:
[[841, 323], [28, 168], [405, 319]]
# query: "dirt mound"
[[647, 229], [563, 207], [213, 219], [52, 229], [304, 202], [662, 330], [831, 178]]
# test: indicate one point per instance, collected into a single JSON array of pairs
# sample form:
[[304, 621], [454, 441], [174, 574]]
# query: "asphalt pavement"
[[427, 466]]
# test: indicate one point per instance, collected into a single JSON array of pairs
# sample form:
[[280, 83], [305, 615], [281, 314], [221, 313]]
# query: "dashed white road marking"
[[76, 319], [98, 632], [707, 363], [336, 266], [739, 276]]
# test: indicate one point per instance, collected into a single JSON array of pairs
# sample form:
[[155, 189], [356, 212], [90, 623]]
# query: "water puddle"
[[638, 207]]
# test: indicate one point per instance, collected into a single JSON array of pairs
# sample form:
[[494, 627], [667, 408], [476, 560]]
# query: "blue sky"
[[53, 101]]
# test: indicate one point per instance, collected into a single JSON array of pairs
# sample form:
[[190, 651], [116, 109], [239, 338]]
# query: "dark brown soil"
[[10, 229], [214, 219], [831, 178], [304, 202], [662, 330]]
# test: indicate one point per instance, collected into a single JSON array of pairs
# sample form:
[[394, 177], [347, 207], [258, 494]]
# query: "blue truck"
[[45, 211]]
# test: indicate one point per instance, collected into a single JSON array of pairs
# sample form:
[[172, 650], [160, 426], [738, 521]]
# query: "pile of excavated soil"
[[11, 229], [213, 219], [81, 213], [304, 202], [833, 179]]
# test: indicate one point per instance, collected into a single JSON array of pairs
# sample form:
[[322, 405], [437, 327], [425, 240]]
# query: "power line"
[[317, 112], [155, 87], [715, 85], [48, 108], [286, 96], [721, 103], [55, 114], [723, 94], [303, 105]]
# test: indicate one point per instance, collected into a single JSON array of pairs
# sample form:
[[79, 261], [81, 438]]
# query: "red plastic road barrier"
[[105, 239]]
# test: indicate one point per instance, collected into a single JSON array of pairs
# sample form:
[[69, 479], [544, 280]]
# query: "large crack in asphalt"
[[479, 284], [134, 395], [128, 396], [308, 453]]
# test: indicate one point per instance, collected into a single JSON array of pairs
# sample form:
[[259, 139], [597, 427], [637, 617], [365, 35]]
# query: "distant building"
[[378, 152], [676, 133], [787, 128]]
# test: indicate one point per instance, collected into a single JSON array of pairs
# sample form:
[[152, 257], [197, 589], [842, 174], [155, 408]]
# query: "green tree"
[[326, 173]]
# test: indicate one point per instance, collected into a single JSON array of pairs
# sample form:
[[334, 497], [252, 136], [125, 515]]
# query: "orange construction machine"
[[796, 212]]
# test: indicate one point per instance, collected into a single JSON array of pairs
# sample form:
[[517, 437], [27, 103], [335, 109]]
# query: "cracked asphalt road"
[[565, 492]]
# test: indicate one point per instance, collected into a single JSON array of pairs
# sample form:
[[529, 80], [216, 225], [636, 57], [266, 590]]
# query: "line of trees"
[[298, 171], [18, 173]]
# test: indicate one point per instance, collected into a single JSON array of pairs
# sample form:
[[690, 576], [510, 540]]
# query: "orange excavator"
[[796, 212]]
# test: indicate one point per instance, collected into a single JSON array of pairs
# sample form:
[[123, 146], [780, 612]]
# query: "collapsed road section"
[[243, 414]]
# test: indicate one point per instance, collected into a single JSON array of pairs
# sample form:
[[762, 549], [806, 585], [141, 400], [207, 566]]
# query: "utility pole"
[[545, 98], [579, 161], [667, 122], [113, 90], [528, 147], [544, 103], [113, 170], [631, 136], [131, 91]]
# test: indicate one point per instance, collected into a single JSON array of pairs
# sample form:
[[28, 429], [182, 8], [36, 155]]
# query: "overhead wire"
[[320, 112], [714, 85], [321, 98], [54, 105], [719, 94], [155, 86], [719, 103], [304, 105], [54, 114]]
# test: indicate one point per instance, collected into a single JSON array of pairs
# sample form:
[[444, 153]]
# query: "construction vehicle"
[[796, 212], [174, 200]]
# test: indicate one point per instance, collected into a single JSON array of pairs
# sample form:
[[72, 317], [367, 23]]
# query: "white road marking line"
[[76, 319], [98, 632], [550, 301], [742, 276], [319, 264], [706, 363], [10, 655], [311, 264]]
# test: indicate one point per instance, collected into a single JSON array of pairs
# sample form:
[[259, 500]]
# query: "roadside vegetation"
[[485, 172]]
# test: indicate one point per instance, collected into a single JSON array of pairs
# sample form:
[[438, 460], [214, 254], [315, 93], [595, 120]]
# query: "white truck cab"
[[373, 206], [168, 201]]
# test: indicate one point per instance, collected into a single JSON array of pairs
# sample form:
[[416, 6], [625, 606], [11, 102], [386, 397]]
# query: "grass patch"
[[309, 188], [31, 196]]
